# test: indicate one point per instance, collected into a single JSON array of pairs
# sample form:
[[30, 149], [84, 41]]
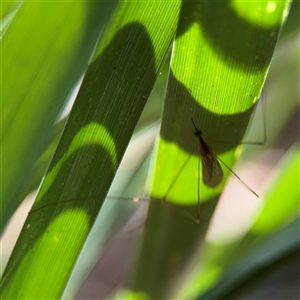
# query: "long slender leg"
[[176, 177], [199, 182]]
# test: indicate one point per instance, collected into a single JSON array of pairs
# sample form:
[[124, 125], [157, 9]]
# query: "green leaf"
[[228, 265], [113, 93], [117, 211], [220, 60], [45, 49]]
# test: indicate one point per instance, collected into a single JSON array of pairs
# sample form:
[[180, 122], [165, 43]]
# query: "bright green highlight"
[[131, 295], [260, 13], [207, 79], [55, 254], [181, 177], [91, 134], [141, 13]]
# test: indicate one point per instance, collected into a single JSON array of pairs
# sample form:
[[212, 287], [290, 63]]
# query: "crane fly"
[[212, 173]]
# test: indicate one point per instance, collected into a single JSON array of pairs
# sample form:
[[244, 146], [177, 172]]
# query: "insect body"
[[212, 173], [211, 169]]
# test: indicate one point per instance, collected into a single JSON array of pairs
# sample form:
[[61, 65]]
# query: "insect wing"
[[211, 170]]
